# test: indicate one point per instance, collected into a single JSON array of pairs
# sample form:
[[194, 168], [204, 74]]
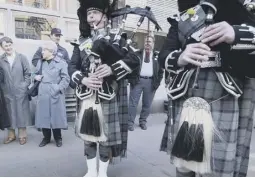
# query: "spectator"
[[61, 52], [147, 83], [50, 109], [16, 72]]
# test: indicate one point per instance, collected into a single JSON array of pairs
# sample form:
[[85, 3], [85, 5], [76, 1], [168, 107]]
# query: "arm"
[[74, 68], [65, 79], [37, 56], [66, 57], [244, 45], [26, 70], [125, 66], [1, 74], [160, 74], [170, 51]]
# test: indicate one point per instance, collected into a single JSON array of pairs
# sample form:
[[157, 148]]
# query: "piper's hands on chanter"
[[92, 82], [194, 54], [103, 71], [218, 33]]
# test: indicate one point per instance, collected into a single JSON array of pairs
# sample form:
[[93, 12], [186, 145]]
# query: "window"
[[41, 4], [17, 2], [117, 20], [72, 30], [33, 27], [71, 6], [2, 23]]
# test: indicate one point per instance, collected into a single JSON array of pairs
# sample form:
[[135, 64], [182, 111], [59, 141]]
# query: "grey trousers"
[[143, 86], [91, 151]]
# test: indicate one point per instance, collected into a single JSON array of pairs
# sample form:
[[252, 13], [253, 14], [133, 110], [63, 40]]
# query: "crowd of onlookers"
[[50, 62], [50, 81]]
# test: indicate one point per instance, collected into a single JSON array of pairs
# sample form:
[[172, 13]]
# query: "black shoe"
[[59, 142], [143, 126], [131, 128], [44, 142]]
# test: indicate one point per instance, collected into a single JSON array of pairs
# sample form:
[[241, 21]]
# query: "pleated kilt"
[[232, 117]]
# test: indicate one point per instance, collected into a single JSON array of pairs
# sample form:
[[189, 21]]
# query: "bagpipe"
[[117, 53]]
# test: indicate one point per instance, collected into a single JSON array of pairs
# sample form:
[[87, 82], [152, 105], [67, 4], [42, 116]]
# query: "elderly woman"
[[16, 71], [50, 108]]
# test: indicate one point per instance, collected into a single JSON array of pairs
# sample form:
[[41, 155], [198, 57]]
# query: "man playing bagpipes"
[[101, 88], [209, 55]]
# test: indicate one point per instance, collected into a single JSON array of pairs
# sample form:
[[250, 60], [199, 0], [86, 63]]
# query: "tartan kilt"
[[232, 117], [115, 114]]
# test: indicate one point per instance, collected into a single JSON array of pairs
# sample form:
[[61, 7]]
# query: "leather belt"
[[145, 77]]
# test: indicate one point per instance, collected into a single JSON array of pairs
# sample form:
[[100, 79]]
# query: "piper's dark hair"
[[104, 5], [186, 4], [6, 39]]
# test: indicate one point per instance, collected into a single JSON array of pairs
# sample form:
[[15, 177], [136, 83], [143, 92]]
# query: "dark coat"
[[4, 117], [15, 85], [157, 71]]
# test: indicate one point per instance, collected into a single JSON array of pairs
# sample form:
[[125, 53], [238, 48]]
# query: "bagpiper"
[[209, 52], [101, 87]]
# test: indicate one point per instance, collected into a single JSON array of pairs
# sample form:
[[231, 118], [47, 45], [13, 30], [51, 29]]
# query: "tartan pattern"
[[116, 121], [233, 118]]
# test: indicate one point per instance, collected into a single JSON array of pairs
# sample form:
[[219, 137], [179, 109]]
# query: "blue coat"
[[50, 107]]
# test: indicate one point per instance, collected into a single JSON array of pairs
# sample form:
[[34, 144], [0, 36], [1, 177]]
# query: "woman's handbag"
[[33, 91]]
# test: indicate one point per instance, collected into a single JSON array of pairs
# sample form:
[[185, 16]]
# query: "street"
[[143, 158]]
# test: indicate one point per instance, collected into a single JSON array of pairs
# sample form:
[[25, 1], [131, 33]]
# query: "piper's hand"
[[38, 77], [92, 82], [218, 33], [103, 71], [193, 54]]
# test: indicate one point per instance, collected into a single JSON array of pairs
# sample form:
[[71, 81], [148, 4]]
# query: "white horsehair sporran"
[[90, 119], [192, 146]]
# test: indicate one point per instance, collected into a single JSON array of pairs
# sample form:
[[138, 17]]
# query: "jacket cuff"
[[120, 69], [171, 62], [77, 77], [244, 37]]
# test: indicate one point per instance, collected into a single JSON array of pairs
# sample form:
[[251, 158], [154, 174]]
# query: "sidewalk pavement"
[[143, 157]]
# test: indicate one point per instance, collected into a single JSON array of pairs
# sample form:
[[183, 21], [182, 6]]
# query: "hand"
[[193, 54], [103, 71], [218, 33], [38, 77], [92, 82]]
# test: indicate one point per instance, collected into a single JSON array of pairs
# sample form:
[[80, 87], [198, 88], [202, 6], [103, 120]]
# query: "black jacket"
[[80, 63], [4, 117], [62, 53], [157, 71]]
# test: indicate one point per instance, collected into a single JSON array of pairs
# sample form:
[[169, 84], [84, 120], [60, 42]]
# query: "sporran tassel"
[[197, 141], [96, 124], [189, 142], [178, 147]]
